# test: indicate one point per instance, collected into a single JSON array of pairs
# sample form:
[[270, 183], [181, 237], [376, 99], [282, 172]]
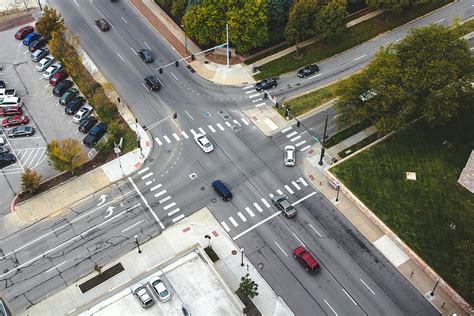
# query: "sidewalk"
[[354, 139]]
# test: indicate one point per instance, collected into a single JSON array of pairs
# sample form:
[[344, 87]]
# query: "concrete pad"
[[411, 176], [391, 251]]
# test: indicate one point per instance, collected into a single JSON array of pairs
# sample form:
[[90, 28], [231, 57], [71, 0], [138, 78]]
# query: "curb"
[[13, 203]]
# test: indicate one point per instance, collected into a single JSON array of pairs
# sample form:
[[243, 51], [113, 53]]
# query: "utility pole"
[[324, 138], [227, 37], [138, 245]]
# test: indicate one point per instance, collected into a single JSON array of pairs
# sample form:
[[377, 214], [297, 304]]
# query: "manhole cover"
[[193, 176], [234, 252], [150, 160], [260, 265], [203, 188], [213, 200], [168, 151], [236, 128], [206, 114], [225, 115]]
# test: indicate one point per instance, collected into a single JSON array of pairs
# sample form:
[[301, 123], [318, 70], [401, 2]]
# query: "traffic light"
[[160, 70], [176, 63], [175, 116]]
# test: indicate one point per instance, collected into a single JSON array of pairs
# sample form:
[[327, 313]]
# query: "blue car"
[[30, 38]]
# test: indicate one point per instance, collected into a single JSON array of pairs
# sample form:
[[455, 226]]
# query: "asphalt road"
[[355, 279]]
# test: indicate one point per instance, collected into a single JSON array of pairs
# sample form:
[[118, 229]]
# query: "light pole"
[[337, 195], [185, 38], [138, 245], [324, 138], [117, 151], [432, 292], [241, 257], [208, 241]]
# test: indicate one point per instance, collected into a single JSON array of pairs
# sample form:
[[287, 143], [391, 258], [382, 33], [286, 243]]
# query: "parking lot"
[[45, 114]]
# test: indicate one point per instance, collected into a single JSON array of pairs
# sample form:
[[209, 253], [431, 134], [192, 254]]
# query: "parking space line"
[[33, 158], [258, 207], [242, 217], [211, 128], [184, 134], [249, 211], [43, 156], [220, 126], [227, 229], [289, 189], [281, 249], [265, 202], [232, 220], [202, 131]]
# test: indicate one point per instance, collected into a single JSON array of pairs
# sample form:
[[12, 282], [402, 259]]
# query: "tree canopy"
[[301, 20], [50, 22], [395, 6], [66, 154], [330, 20]]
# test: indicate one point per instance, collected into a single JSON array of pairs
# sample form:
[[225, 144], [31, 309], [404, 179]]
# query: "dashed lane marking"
[[281, 249], [232, 220], [249, 211], [258, 207], [265, 202], [242, 217]]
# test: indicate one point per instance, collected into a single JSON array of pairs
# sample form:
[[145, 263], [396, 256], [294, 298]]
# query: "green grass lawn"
[[420, 212]]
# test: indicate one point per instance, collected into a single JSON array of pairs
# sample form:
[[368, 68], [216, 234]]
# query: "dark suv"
[[307, 71], [7, 159], [74, 105], [306, 260], [95, 134], [102, 24], [222, 190], [153, 83], [40, 42], [87, 124], [62, 87], [266, 84], [146, 55]]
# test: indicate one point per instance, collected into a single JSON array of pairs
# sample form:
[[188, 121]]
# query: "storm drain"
[[193, 176]]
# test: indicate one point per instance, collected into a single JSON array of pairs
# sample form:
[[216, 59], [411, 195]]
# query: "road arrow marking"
[[110, 211], [102, 199]]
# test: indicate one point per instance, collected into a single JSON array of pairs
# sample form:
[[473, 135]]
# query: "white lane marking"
[[147, 175], [163, 200], [295, 138], [120, 56], [300, 143], [296, 185], [146, 203], [160, 193], [401, 38], [189, 115], [247, 87], [225, 226], [184, 134], [242, 217], [174, 76], [124, 20], [303, 181], [289, 128], [330, 307], [202, 131], [257, 100], [301, 242], [260, 104], [254, 95], [176, 210], [292, 134], [281, 249], [349, 297], [439, 21], [169, 206], [131, 226], [244, 120], [220, 126], [147, 45], [193, 132], [359, 57], [237, 123], [156, 187], [178, 218], [232, 220], [143, 170], [258, 207], [55, 267], [265, 202], [304, 198], [167, 139], [289, 189], [313, 76], [176, 137], [367, 286], [249, 211], [211, 128], [228, 124], [271, 195], [305, 148], [256, 225], [315, 230], [158, 141], [279, 192]]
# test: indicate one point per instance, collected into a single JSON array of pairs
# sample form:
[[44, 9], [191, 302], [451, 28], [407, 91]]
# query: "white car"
[[83, 113], [44, 63], [204, 143], [142, 294], [54, 68], [290, 156], [160, 288]]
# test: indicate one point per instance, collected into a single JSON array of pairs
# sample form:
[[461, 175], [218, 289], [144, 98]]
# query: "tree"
[[300, 24], [50, 22], [396, 6], [277, 16], [30, 181], [204, 22], [247, 288], [66, 154], [330, 20], [178, 8]]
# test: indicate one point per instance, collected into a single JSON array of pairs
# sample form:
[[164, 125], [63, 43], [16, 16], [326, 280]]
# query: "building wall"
[[7, 6]]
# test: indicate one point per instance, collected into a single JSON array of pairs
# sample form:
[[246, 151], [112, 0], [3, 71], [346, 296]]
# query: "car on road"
[[87, 124], [30, 38], [44, 63], [102, 24], [15, 120], [10, 110], [95, 134], [153, 83], [160, 289], [62, 87], [39, 54], [222, 190], [281, 201], [54, 68], [306, 259], [68, 95], [58, 77], [290, 155], [204, 143], [145, 55], [83, 113], [38, 43], [307, 71], [266, 84], [143, 295], [7, 159], [21, 131], [74, 105], [24, 31]]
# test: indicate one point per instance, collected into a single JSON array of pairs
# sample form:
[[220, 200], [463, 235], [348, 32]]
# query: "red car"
[[15, 120], [25, 30], [306, 259], [10, 110], [58, 77]]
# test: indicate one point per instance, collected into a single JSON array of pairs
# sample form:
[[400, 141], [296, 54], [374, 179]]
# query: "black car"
[[153, 83], [7, 159], [95, 134], [102, 24], [2, 84], [74, 105], [62, 87], [39, 54], [37, 44], [87, 124], [266, 84], [146, 55], [307, 71], [222, 190], [68, 95]]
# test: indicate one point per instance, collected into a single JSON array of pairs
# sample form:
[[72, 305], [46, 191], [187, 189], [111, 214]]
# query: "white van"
[[10, 101], [7, 93]]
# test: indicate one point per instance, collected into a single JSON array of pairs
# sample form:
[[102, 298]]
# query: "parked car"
[[160, 289], [62, 87], [2, 84], [4, 149], [87, 124], [24, 31], [306, 259], [10, 101], [83, 113], [290, 155], [30, 38], [21, 131], [44, 63], [266, 84], [68, 95], [38, 43], [143, 296], [7, 93], [15, 120], [146, 55], [2, 141], [74, 105], [95, 134], [39, 54], [204, 143], [153, 83], [307, 71], [11, 110], [102, 24], [222, 190], [58, 77], [7, 159], [281, 201], [54, 68]]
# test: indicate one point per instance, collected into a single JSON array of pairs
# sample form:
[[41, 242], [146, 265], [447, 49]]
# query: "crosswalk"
[[262, 205], [295, 138], [257, 98]]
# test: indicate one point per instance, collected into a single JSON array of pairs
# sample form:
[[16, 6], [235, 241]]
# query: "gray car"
[[21, 131], [4, 150], [44, 63], [281, 201], [143, 295], [39, 54]]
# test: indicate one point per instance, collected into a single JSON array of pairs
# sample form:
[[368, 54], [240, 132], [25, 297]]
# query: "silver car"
[[39, 54], [143, 295], [44, 63], [54, 68], [290, 156], [281, 201]]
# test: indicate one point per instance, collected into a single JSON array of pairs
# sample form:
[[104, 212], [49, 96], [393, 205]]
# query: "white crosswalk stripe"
[[176, 137], [260, 104], [254, 95], [149, 182], [257, 100], [169, 206], [225, 226], [155, 187], [160, 193], [305, 147], [271, 195], [245, 121], [247, 92], [289, 189], [143, 170], [265, 202], [295, 138], [258, 207], [158, 141], [287, 129], [220, 126], [193, 132], [211, 128], [232, 220], [163, 200], [242, 217], [176, 210], [228, 124], [292, 134], [184, 134], [300, 143], [296, 185], [167, 139], [147, 175], [304, 182], [178, 218], [237, 122], [248, 87], [202, 131], [279, 192], [249, 211]]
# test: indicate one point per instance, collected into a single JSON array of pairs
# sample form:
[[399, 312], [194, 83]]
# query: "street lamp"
[[337, 195], [241, 257], [185, 38], [432, 292], [138, 245], [208, 241], [324, 138]]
